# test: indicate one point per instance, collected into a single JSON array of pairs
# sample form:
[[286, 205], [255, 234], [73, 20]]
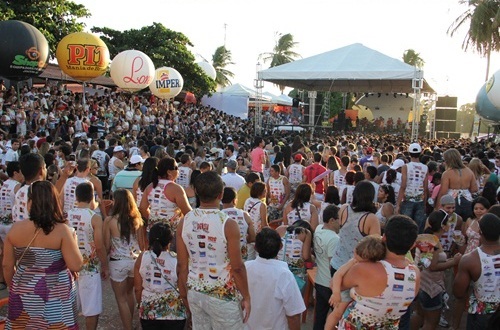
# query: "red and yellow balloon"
[[82, 56]]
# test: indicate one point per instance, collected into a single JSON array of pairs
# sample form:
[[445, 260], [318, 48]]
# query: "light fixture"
[[379, 94]]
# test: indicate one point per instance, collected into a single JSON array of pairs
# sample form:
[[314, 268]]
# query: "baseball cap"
[[298, 157], [447, 199], [414, 148], [232, 164], [369, 150], [214, 150], [136, 159], [397, 164], [118, 148]]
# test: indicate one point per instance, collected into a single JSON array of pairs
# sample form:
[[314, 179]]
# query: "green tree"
[[413, 58], [483, 34], [54, 18], [220, 60], [165, 48], [282, 52]]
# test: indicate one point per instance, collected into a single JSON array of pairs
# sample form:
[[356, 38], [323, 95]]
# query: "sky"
[[249, 28]]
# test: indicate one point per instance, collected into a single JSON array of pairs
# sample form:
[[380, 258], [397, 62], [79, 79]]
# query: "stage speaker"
[[446, 114], [445, 126], [446, 102]]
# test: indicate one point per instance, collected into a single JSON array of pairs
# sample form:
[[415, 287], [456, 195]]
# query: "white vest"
[[252, 206], [204, 237], [184, 176], [415, 176], [81, 220], [239, 216], [295, 173], [69, 192], [7, 199], [277, 191], [20, 209], [162, 209]]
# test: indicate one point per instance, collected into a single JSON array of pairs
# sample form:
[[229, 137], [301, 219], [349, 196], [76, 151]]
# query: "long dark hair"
[[362, 197], [160, 236], [436, 221], [45, 211], [147, 172], [389, 190], [161, 171], [128, 216], [302, 195]]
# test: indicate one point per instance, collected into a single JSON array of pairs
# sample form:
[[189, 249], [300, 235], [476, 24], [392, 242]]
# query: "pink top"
[[257, 156]]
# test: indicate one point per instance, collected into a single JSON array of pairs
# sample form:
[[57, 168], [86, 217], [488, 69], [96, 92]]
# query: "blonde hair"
[[371, 248], [476, 166], [453, 159]]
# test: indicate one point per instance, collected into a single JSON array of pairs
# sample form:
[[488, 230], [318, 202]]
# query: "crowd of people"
[[194, 220]]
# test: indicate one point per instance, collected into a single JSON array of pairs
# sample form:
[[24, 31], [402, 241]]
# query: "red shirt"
[[313, 171]]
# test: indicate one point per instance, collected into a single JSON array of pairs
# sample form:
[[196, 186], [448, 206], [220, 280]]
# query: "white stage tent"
[[353, 68], [280, 100], [233, 100]]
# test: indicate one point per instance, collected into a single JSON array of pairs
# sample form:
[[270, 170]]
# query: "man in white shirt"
[[12, 155], [231, 178], [273, 288]]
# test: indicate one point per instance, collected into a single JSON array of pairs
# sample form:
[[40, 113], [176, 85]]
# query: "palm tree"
[[220, 60], [483, 17], [282, 52], [413, 58]]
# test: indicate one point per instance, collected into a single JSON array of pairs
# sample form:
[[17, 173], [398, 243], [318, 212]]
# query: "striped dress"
[[43, 293]]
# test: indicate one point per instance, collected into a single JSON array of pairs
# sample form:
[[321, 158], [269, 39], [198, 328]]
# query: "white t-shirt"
[[275, 294]]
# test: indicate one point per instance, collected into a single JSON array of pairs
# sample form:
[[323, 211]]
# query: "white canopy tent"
[[281, 99], [353, 68], [233, 100]]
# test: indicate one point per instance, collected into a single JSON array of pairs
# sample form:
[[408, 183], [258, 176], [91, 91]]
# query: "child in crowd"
[[369, 249]]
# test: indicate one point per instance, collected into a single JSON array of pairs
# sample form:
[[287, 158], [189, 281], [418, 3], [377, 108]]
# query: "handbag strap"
[[29, 245], [163, 275]]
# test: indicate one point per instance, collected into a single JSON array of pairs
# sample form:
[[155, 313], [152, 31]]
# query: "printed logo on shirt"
[[399, 277], [397, 287]]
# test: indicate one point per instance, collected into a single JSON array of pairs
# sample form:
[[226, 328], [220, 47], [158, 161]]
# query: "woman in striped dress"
[[39, 255]]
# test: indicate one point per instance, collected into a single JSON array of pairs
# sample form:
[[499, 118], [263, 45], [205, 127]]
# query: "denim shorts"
[[428, 303]]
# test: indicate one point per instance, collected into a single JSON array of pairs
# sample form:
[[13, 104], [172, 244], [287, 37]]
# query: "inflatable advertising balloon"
[[493, 89], [24, 51], [208, 69], [132, 70], [82, 56], [167, 83]]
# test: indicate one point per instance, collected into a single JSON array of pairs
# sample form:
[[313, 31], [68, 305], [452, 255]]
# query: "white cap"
[[118, 148], [135, 159], [414, 148], [397, 164]]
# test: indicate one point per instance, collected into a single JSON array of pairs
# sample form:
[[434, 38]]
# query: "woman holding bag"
[[39, 256]]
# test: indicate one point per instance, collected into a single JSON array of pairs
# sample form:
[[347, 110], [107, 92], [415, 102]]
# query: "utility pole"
[[225, 31]]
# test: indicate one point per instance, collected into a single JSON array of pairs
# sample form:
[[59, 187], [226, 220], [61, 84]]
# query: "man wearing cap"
[[126, 178], [115, 164], [413, 193], [295, 173], [231, 178]]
